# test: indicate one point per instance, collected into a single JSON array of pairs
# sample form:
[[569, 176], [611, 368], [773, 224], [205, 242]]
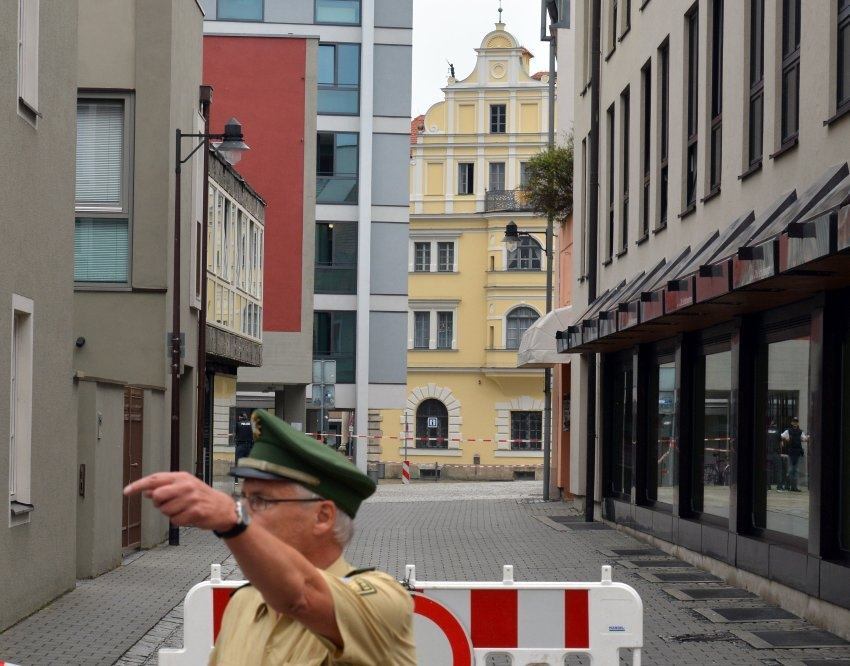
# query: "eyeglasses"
[[258, 503]]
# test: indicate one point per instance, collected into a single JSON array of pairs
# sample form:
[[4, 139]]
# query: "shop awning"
[[537, 348], [793, 248]]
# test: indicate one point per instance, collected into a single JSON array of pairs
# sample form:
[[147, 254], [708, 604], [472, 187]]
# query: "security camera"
[[80, 341]]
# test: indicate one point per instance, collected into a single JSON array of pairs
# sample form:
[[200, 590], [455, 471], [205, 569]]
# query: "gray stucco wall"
[[390, 182], [394, 14], [393, 65], [387, 347], [388, 275], [36, 261]]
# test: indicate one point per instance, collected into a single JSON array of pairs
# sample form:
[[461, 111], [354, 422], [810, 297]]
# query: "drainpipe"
[[592, 233]]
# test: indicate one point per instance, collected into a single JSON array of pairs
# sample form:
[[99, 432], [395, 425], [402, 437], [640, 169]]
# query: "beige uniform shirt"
[[374, 614]]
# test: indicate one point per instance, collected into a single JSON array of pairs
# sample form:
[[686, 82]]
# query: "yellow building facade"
[[470, 412]]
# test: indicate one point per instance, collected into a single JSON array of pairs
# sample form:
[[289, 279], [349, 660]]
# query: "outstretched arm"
[[289, 583]]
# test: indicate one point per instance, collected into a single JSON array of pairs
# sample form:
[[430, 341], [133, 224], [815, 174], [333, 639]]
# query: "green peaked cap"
[[282, 452]]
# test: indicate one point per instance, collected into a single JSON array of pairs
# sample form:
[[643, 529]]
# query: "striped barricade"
[[462, 623]]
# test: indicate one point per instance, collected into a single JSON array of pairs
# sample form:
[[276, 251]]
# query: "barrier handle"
[[215, 573], [606, 575], [508, 574], [410, 574]]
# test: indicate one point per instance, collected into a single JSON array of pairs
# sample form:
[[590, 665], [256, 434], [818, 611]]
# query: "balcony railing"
[[506, 200], [335, 279]]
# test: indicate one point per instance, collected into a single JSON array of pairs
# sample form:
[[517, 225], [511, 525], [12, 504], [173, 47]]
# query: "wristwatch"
[[243, 519]]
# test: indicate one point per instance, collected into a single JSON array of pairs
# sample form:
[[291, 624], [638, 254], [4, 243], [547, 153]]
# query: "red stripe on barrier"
[[221, 597], [449, 624], [494, 618], [576, 619]]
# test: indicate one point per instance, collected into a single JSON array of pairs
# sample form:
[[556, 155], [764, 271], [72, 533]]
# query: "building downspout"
[[547, 372], [201, 462], [592, 249]]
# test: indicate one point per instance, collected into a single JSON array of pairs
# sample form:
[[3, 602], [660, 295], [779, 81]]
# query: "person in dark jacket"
[[775, 473], [794, 438], [244, 437]]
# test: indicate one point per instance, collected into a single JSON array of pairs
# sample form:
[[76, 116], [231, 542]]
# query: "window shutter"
[[100, 154], [100, 250], [28, 53]]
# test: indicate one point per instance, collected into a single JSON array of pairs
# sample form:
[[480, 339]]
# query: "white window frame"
[[504, 319], [433, 239], [432, 307], [28, 42], [20, 410]]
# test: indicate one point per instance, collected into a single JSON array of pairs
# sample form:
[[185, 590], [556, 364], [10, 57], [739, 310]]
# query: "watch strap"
[[240, 526]]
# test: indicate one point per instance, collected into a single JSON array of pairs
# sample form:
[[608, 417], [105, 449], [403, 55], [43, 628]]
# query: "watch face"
[[243, 516]]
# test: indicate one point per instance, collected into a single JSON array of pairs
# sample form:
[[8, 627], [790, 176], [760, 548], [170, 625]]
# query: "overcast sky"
[[452, 30]]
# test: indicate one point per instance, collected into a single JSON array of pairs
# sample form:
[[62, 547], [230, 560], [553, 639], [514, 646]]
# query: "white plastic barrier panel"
[[461, 623]]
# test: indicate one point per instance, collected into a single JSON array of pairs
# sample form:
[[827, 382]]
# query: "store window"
[[711, 457], [781, 502], [622, 434], [662, 463]]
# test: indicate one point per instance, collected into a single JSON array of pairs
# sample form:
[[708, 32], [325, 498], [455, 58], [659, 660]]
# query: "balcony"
[[336, 189], [335, 279], [508, 201]]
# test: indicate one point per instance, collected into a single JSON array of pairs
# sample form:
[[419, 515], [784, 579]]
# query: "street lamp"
[[511, 241], [231, 147]]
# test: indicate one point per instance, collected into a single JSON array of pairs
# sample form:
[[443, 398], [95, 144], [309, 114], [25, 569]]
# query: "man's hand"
[[187, 500]]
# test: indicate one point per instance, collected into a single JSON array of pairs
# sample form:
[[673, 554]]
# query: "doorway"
[[131, 514]]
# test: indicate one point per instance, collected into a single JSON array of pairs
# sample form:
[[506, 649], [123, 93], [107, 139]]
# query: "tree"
[[550, 182]]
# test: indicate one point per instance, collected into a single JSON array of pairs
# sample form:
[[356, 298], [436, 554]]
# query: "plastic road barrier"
[[462, 623], [405, 471]]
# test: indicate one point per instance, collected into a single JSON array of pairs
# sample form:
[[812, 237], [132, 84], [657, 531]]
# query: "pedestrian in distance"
[[794, 438], [304, 604], [244, 437]]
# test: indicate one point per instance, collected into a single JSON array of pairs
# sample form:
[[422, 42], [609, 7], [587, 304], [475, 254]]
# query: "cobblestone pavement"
[[450, 531]]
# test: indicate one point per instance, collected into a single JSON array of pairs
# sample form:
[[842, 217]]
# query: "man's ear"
[[325, 518]]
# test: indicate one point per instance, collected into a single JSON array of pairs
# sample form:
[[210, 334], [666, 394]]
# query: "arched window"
[[432, 425], [526, 257], [518, 321]]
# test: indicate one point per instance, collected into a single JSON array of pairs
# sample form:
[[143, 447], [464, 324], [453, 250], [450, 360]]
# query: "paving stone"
[[754, 614]]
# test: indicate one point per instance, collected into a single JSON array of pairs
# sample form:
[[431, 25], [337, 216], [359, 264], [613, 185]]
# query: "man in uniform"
[[305, 604]]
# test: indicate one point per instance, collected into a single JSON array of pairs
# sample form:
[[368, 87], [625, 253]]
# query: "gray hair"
[[343, 524]]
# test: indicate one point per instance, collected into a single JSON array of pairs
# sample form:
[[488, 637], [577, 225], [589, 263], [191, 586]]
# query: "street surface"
[[450, 531]]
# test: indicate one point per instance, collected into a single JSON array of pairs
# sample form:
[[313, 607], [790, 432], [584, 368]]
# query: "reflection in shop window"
[[712, 452], [782, 479], [621, 450], [662, 462]]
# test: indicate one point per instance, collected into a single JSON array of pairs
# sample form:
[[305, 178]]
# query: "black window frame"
[[619, 430], [661, 353], [610, 118], [842, 96], [646, 139], [755, 107], [716, 124], [499, 118], [432, 407], [346, 271], [788, 128], [338, 175], [525, 424], [319, 22], [625, 120], [466, 178], [692, 107], [336, 319], [664, 134], [336, 85]]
